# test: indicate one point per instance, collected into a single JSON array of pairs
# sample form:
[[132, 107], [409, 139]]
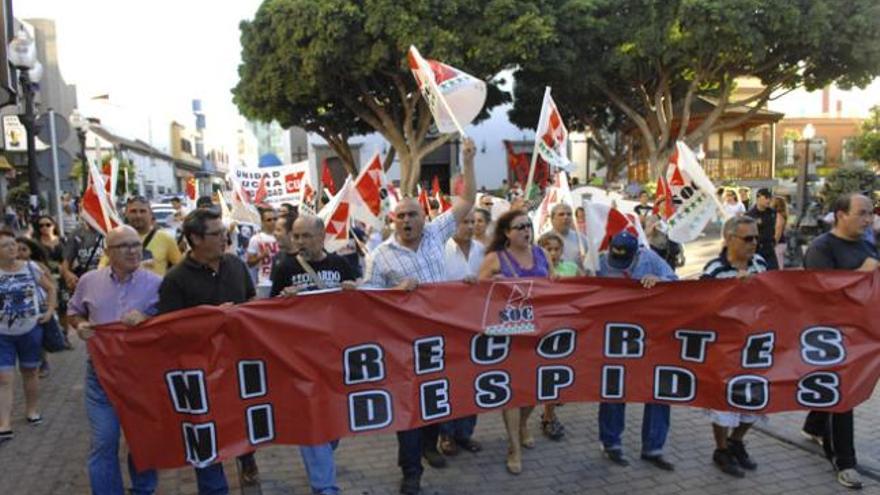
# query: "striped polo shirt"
[[721, 268]]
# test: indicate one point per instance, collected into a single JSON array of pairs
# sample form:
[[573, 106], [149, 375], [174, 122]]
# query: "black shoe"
[[659, 461], [738, 450], [726, 463], [411, 485], [435, 459], [616, 456], [469, 444], [249, 472]]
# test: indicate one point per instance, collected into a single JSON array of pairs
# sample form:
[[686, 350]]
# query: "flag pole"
[[535, 147]]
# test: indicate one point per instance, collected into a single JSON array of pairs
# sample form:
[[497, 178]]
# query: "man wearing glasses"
[[160, 249], [738, 259], [121, 291], [207, 275]]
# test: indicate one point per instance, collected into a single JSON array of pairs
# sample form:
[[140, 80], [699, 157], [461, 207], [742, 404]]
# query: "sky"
[[152, 58]]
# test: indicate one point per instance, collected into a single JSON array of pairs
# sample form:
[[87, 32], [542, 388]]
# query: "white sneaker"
[[813, 438], [850, 478]]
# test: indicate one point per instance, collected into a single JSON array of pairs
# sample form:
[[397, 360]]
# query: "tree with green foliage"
[[652, 60], [850, 180], [867, 144], [338, 67]]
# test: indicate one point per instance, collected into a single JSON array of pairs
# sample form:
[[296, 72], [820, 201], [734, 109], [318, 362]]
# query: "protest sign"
[[210, 383]]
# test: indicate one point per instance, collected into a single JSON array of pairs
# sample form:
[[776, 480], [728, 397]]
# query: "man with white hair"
[[120, 291], [574, 244]]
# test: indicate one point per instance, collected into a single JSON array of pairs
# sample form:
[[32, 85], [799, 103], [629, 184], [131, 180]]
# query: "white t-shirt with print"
[[19, 302], [259, 243]]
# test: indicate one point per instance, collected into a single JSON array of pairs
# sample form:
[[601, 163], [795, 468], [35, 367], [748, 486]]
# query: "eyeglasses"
[[522, 226], [748, 238], [45, 225], [128, 246]]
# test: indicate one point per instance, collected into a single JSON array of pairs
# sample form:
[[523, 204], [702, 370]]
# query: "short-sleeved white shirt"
[[391, 262]]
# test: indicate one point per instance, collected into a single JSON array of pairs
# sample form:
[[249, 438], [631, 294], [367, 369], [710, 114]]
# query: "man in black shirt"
[[307, 267], [766, 218], [843, 248], [209, 276]]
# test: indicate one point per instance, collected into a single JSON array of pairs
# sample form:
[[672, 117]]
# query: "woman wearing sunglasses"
[[513, 254]]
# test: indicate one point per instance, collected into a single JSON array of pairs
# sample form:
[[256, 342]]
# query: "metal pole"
[[802, 181], [28, 122], [55, 174], [84, 166]]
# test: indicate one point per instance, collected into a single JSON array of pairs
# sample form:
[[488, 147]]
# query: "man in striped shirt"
[[415, 254], [738, 259]]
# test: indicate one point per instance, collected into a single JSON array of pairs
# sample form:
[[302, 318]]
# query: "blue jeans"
[[212, 480], [320, 467], [104, 473], [459, 429], [655, 426]]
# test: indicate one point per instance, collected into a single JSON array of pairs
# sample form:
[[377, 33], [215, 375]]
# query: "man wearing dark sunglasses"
[[765, 216], [738, 259]]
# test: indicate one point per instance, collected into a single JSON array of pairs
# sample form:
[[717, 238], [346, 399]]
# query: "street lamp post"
[[22, 55], [808, 134], [82, 126]]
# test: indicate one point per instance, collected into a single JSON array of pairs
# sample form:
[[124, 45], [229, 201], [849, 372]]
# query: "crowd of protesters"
[[138, 270]]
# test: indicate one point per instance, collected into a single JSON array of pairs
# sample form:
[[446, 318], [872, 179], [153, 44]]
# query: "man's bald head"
[[311, 222], [409, 220], [307, 237], [120, 232], [124, 249]]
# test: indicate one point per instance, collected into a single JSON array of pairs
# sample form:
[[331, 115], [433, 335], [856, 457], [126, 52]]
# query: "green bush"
[[849, 180]]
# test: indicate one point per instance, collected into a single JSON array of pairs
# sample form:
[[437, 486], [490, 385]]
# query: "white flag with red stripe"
[[97, 207], [551, 142], [336, 215], [603, 222], [370, 192], [454, 97]]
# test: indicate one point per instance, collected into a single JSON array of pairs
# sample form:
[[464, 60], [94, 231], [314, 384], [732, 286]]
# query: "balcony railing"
[[737, 169]]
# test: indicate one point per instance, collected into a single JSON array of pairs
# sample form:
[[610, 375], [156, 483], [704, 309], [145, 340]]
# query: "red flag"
[[369, 185], [191, 188], [423, 200], [664, 208], [261, 192], [97, 209], [327, 177], [435, 186], [441, 200], [674, 175]]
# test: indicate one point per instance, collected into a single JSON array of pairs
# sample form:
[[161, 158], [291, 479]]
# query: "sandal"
[[6, 436], [552, 428], [35, 420]]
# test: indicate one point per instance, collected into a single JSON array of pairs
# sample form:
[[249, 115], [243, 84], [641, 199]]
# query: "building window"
[[186, 146]]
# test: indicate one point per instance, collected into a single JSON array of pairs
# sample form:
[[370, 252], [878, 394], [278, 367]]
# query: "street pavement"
[[51, 458]]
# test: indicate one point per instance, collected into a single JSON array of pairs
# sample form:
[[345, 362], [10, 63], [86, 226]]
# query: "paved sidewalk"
[[51, 458]]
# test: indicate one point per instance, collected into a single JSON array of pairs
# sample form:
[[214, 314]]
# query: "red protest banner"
[[210, 383]]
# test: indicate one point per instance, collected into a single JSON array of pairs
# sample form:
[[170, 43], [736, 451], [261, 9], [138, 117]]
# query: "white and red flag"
[[454, 97], [551, 140], [604, 221], [336, 215], [692, 193], [327, 177], [97, 207], [371, 190]]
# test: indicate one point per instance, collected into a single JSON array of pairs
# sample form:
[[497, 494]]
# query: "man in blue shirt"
[[626, 259]]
